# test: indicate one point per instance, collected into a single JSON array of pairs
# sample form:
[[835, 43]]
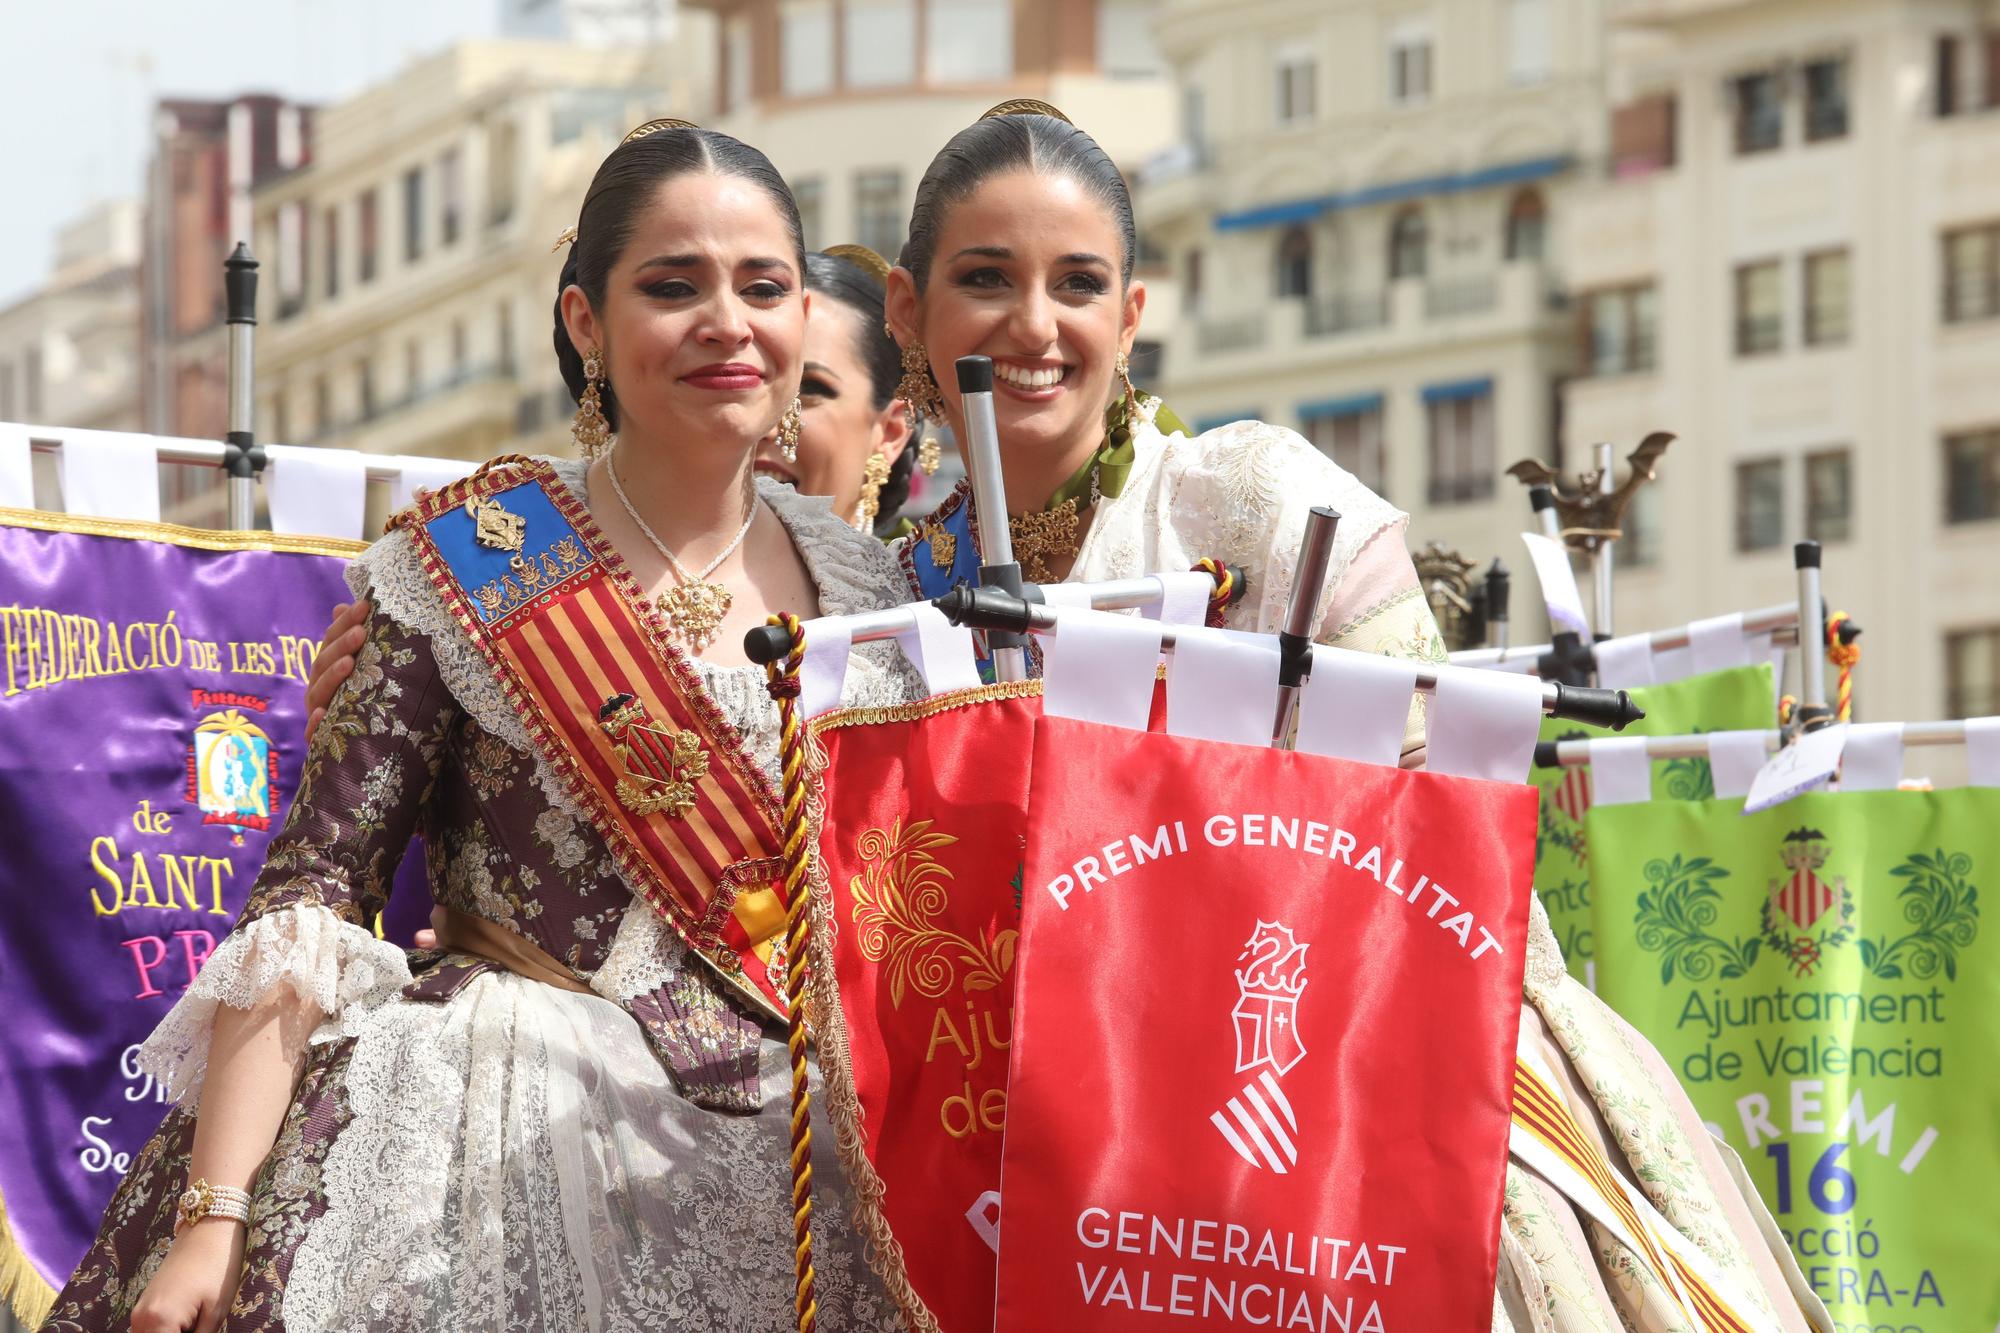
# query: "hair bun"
[[1026, 106], [862, 258]]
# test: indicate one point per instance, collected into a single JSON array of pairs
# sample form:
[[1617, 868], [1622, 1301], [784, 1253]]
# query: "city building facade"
[[1361, 212], [69, 351], [409, 277], [1795, 266]]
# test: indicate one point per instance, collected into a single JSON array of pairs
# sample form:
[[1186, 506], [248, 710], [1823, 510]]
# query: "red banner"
[[1265, 1022], [923, 813]]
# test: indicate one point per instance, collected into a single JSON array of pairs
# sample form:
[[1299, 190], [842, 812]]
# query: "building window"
[[322, 407], [1760, 309], [1829, 496], [413, 214], [1409, 68], [1760, 505], [1527, 41], [1944, 75], [1640, 544], [1972, 273], [413, 368], [811, 196], [1621, 327], [504, 334], [735, 62], [370, 235], [1760, 113], [1972, 477], [1972, 672], [879, 43], [331, 218], [878, 211], [1461, 441], [805, 47], [1194, 121], [1295, 263], [1642, 135], [1829, 293], [1295, 78], [1409, 244], [292, 277], [1125, 47], [1826, 99], [451, 196], [364, 392], [1527, 225], [503, 165], [281, 412], [969, 41], [1350, 433], [459, 350], [1191, 284]]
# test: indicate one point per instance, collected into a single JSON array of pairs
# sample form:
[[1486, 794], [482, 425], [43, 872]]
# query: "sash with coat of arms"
[[614, 709]]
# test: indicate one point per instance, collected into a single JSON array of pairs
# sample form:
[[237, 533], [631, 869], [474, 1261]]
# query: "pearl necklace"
[[694, 608]]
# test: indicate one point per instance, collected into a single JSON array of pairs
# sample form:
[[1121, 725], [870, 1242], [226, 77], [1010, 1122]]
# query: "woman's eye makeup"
[[669, 289], [812, 386], [982, 278], [1084, 284], [767, 291]]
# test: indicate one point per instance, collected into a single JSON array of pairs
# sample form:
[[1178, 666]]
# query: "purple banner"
[[151, 721]]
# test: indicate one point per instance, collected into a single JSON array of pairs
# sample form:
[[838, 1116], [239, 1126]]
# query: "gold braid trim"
[[20, 1285], [829, 1023], [199, 539]]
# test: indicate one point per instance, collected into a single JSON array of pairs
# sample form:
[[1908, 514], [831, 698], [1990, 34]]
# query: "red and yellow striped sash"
[[565, 630], [1545, 1118]]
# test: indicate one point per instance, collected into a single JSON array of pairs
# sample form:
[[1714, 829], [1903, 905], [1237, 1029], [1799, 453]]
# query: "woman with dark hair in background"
[[574, 1114], [1021, 249]]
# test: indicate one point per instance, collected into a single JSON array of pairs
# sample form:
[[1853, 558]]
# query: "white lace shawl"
[[340, 968], [1238, 493]]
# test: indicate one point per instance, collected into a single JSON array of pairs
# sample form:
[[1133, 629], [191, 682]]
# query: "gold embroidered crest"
[[493, 526], [661, 767], [898, 898]]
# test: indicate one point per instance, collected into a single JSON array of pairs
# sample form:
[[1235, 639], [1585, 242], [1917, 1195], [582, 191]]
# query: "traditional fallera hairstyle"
[[626, 181], [1015, 136], [853, 275]]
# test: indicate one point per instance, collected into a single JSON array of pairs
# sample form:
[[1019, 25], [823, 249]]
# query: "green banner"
[[1734, 700], [1817, 977]]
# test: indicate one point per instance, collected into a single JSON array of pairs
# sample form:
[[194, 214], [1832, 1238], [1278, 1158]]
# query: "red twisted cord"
[[784, 687], [1844, 656]]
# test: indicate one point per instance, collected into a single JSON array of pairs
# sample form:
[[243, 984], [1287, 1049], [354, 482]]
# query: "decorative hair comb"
[[655, 126], [1026, 106], [862, 258]]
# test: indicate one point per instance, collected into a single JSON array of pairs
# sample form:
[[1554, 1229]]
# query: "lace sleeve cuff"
[[338, 967]]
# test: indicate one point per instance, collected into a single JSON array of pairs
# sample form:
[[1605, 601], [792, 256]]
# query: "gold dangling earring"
[[930, 454], [1130, 412], [919, 390], [788, 434], [874, 475], [589, 429]]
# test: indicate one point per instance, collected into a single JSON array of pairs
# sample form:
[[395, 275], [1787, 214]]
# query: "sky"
[[77, 78]]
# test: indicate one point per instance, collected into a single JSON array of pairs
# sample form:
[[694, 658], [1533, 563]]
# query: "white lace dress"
[[478, 1150]]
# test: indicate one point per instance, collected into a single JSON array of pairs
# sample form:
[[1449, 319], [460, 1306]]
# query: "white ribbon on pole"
[[1873, 759], [1718, 643], [1621, 773], [1483, 724], [823, 669], [1558, 580], [1734, 757], [1099, 667], [107, 474], [1183, 599], [1982, 751], [17, 468], [1626, 662], [940, 651], [318, 492], [1222, 686], [1356, 706]]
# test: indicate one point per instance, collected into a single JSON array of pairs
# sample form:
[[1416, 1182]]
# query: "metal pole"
[[1295, 637], [997, 567], [1575, 754], [243, 458], [1782, 622], [1542, 499], [1601, 560], [1813, 712], [1499, 584]]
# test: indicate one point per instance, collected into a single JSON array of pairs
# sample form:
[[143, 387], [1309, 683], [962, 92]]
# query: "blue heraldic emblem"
[[230, 772], [942, 553], [1267, 1004], [510, 551]]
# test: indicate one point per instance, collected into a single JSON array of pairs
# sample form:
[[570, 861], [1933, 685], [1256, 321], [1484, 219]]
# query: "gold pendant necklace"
[[1042, 538], [693, 608]]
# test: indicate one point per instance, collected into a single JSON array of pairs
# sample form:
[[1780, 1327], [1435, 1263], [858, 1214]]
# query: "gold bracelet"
[[202, 1199]]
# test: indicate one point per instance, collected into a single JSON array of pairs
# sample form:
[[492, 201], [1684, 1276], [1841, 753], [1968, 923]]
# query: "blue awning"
[[1352, 405], [1304, 210], [1203, 425], [1457, 389]]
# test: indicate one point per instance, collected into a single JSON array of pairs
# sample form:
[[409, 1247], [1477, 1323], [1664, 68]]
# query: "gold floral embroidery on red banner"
[[898, 897]]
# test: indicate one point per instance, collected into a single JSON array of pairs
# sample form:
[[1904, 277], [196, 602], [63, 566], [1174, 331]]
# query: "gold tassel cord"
[[20, 1285], [784, 687]]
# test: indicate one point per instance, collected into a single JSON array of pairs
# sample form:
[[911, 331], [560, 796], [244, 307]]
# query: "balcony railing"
[[1235, 334], [1461, 296], [1346, 314]]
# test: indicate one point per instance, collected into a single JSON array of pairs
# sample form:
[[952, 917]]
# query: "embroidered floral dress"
[[468, 1148]]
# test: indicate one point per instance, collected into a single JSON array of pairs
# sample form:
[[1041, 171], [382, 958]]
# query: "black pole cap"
[[767, 644], [1541, 497], [1594, 707], [975, 374], [1499, 587], [239, 284], [1805, 555]]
